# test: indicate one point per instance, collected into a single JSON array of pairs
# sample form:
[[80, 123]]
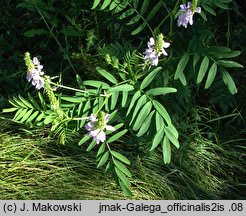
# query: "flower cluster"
[[155, 49], [97, 125], [187, 12], [34, 71]]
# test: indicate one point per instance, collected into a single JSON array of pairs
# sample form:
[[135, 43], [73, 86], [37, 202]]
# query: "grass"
[[35, 167]]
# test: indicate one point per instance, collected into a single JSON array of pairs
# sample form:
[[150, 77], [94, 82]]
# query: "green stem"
[[169, 14], [69, 88], [104, 102]]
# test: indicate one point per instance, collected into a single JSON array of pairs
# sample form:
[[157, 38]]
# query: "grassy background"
[[35, 167]]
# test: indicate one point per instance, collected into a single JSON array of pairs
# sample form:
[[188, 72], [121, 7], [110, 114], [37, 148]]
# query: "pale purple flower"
[[35, 74], [186, 14], [155, 49], [96, 128]]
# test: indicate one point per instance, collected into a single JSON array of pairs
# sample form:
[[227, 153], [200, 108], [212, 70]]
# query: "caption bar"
[[114, 207]]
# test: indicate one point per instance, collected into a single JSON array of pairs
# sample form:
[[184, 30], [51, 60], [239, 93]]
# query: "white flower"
[[155, 49], [96, 127], [186, 14], [35, 74]]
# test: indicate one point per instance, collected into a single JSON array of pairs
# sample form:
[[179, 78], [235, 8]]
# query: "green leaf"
[[162, 111], [91, 146], [208, 9], [101, 149], [139, 29], [134, 20], [171, 136], [124, 98], [211, 75], [157, 139], [84, 139], [231, 54], [146, 124], [148, 79], [18, 103], [116, 136], [229, 82], [196, 58], [105, 4], [103, 159], [127, 13], [17, 114], [49, 119], [160, 91], [181, 66], [125, 189], [7, 110], [114, 99], [142, 100], [95, 4], [122, 168], [142, 115], [24, 101], [134, 98], [27, 115], [120, 157], [33, 101], [203, 15], [33, 116], [73, 99], [166, 150], [122, 177], [144, 7], [21, 114], [33, 32], [123, 87], [221, 5], [97, 84], [153, 12], [42, 101], [227, 63], [159, 122], [107, 75], [203, 69], [40, 117]]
